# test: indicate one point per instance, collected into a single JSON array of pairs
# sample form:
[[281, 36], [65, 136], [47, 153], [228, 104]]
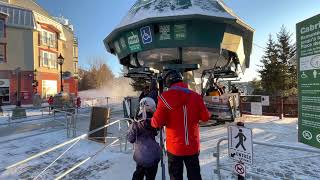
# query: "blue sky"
[[95, 19]]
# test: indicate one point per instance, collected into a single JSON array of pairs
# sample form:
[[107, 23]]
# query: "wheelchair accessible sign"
[[240, 144], [146, 35]]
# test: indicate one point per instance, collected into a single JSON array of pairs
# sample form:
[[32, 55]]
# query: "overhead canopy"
[[157, 31]]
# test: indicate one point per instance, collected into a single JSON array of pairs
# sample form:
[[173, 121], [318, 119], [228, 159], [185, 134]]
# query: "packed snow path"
[[273, 163]]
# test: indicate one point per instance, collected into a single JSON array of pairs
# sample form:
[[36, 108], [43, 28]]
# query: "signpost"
[[308, 53], [240, 148], [240, 144]]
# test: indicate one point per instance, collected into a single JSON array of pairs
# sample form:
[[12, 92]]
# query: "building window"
[[2, 53], [44, 39], [75, 64], [5, 90], [48, 39], [2, 28], [49, 88], [48, 60], [75, 51]]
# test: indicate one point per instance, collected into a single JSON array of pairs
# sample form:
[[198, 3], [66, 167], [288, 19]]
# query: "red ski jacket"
[[180, 110]]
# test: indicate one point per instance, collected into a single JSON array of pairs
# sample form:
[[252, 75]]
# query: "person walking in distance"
[[242, 138], [180, 110]]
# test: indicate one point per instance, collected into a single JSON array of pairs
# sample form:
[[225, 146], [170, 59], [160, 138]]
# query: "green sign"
[[308, 44], [180, 32], [133, 41], [171, 34], [165, 32]]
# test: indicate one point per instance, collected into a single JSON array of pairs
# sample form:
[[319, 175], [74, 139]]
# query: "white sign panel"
[[265, 100], [240, 169], [240, 144], [310, 62], [4, 83], [256, 108]]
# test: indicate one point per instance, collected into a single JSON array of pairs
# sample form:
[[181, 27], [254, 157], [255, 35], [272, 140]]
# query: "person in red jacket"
[[180, 110], [50, 102]]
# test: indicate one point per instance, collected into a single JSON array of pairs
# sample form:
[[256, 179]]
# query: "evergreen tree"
[[286, 52], [256, 85], [269, 72], [278, 75]]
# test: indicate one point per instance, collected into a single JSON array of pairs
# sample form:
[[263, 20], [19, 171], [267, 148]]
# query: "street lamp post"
[[60, 61]]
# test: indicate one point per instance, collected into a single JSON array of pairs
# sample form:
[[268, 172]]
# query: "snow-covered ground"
[[111, 163]]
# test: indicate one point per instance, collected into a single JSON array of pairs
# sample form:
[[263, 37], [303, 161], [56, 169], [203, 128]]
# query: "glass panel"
[[10, 15], [51, 39], [44, 37], [1, 28], [16, 16], [28, 19], [53, 60], [5, 93], [49, 88], [2, 53], [45, 59]]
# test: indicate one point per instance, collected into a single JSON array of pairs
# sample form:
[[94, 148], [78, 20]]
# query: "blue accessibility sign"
[[146, 35]]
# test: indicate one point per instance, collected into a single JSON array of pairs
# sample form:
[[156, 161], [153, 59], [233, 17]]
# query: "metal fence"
[[277, 106], [305, 155], [74, 141]]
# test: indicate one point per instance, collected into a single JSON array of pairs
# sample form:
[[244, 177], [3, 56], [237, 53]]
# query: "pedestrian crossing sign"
[[240, 146]]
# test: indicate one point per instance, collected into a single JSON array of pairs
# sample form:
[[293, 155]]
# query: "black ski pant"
[[175, 164], [141, 172]]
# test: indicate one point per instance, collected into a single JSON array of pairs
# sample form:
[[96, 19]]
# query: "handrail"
[[72, 145], [28, 120], [217, 154], [62, 144], [85, 160]]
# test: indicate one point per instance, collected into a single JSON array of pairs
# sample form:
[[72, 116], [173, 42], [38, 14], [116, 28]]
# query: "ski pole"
[[161, 136]]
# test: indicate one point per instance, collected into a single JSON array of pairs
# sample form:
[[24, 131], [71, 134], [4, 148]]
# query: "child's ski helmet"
[[147, 104]]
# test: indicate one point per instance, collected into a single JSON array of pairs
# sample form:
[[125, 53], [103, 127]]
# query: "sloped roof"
[[147, 9]]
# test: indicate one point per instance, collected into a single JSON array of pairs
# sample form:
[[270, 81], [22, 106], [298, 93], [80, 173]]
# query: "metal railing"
[[220, 167], [74, 141]]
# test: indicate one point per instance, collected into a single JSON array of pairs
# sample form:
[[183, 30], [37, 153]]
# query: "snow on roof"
[[145, 9]]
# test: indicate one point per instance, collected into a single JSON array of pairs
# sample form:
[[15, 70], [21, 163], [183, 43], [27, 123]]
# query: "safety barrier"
[[74, 141], [220, 167]]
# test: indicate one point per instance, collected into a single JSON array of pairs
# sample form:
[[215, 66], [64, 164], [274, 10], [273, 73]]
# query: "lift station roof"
[[159, 32]]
